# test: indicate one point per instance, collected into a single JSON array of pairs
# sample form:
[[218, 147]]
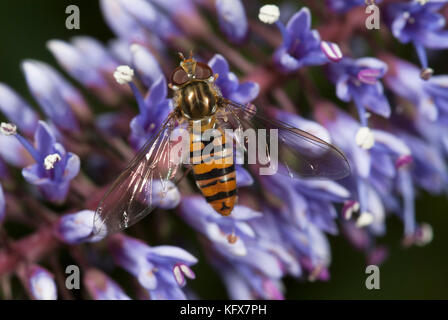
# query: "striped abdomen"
[[215, 175]]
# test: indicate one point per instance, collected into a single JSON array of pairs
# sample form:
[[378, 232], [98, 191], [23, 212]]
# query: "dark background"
[[408, 273]]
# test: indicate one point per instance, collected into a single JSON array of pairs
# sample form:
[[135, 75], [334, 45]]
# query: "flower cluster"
[[389, 117]]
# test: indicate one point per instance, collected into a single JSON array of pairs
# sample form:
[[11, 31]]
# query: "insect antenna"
[[181, 55]]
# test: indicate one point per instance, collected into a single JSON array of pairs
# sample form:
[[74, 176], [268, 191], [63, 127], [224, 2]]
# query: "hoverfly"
[[149, 176]]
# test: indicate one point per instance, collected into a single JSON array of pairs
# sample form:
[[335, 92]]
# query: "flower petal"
[[300, 22], [17, 110], [232, 19], [171, 253], [145, 64]]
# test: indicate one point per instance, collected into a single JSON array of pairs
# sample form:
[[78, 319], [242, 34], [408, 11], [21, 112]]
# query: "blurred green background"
[[408, 273]]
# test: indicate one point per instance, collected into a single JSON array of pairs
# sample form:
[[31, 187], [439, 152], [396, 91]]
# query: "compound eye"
[[203, 71], [179, 76]]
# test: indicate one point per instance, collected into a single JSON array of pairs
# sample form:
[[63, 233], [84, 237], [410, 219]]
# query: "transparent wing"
[[299, 152], [143, 185]]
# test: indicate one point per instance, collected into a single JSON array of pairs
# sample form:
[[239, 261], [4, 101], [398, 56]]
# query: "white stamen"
[[187, 271], [331, 51], [315, 273], [426, 235], [351, 209], [8, 129], [178, 275], [365, 219], [269, 13], [50, 160], [426, 74], [123, 74], [365, 138]]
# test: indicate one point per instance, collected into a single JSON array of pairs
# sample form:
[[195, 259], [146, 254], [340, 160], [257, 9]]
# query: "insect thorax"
[[197, 99]]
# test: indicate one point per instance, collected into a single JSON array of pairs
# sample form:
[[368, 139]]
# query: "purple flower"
[[307, 201], [97, 54], [220, 230], [54, 94], [89, 62], [404, 79], [232, 19], [101, 287], [437, 88], [17, 110], [428, 171], [166, 195], [145, 64], [378, 167], [270, 237], [129, 19], [2, 204], [13, 153], [429, 166], [184, 14], [175, 7], [41, 283], [228, 82], [77, 227], [244, 283], [236, 248], [161, 270], [342, 6], [301, 44], [435, 134], [430, 97], [358, 80], [122, 23], [54, 167], [154, 109], [310, 246], [120, 50], [419, 24], [83, 60], [243, 177]]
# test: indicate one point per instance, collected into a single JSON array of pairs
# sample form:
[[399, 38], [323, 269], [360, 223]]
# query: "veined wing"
[[299, 152], [143, 185]]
